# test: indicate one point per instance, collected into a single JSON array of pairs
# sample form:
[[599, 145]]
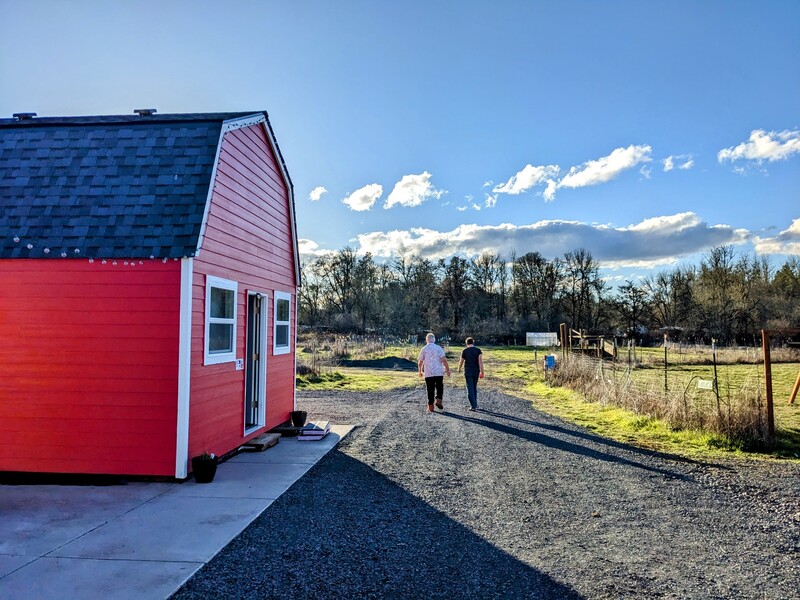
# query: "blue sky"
[[646, 132]]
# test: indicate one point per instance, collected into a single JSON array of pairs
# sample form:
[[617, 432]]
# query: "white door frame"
[[260, 380]]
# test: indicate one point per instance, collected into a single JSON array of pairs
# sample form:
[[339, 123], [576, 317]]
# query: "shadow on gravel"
[[389, 362], [345, 530], [559, 444], [601, 440]]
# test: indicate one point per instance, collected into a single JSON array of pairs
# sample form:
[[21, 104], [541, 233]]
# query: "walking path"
[[140, 540], [509, 502]]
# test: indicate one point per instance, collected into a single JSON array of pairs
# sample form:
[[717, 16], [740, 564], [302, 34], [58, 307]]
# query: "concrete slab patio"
[[141, 540]]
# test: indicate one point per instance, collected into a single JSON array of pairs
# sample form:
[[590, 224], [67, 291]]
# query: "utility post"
[[716, 382], [666, 389]]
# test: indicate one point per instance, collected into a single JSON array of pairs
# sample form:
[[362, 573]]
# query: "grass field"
[[358, 380], [732, 378], [518, 371]]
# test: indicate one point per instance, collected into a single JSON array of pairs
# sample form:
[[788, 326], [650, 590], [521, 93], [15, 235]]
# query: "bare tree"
[[582, 288], [309, 297], [536, 286], [631, 302], [672, 298], [453, 290]]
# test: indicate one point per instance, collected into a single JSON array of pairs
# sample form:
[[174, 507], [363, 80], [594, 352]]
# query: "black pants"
[[435, 384]]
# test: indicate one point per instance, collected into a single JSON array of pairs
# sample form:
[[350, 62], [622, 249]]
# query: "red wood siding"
[[248, 239], [88, 366]]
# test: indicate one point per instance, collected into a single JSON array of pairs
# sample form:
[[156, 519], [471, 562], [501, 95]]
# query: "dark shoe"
[[470, 409], [430, 407], [439, 405]]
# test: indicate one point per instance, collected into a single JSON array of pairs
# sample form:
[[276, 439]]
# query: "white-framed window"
[[282, 334], [220, 343]]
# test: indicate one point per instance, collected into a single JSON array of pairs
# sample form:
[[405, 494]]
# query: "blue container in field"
[[549, 362]]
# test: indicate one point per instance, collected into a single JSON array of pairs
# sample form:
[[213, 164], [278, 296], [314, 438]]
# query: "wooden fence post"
[[795, 389], [768, 378]]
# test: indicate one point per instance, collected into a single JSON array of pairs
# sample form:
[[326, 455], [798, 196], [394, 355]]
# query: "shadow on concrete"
[[564, 445], [345, 530]]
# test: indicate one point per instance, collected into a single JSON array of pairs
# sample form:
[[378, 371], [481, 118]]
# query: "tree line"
[[729, 296]]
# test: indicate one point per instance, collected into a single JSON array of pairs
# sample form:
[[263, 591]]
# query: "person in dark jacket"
[[472, 361]]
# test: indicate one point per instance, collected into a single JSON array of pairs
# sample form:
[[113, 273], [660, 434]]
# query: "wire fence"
[[726, 399]]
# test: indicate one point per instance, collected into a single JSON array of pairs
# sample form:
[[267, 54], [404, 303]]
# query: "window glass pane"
[[220, 338], [281, 335], [283, 310], [221, 303]]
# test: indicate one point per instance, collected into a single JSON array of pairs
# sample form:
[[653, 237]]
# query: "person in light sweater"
[[432, 364]]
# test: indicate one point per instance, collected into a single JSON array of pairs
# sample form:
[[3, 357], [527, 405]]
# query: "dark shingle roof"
[[107, 186]]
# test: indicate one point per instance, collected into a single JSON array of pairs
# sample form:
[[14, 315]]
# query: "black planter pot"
[[299, 417], [204, 468]]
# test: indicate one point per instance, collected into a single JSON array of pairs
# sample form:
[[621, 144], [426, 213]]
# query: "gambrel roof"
[[111, 186]]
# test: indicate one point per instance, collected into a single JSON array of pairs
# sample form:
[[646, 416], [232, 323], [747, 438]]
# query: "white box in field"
[[541, 339]]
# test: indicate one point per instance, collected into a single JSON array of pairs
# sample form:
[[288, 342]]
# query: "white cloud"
[[461, 208], [772, 146], [670, 162], [413, 190], [786, 242], [310, 249], [527, 178], [645, 171], [317, 193], [364, 198], [487, 183], [550, 191], [615, 279], [656, 241], [606, 168], [589, 173], [490, 201]]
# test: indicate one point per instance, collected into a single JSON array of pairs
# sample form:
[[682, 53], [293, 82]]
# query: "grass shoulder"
[[515, 371], [358, 380]]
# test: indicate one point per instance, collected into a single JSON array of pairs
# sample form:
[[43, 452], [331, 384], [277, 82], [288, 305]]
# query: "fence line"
[[732, 409]]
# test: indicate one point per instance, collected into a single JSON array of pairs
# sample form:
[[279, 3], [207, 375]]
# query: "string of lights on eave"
[[76, 253]]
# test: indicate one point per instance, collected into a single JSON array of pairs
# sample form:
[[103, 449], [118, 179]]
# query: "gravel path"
[[509, 503]]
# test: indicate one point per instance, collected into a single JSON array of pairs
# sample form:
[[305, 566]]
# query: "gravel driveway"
[[509, 503]]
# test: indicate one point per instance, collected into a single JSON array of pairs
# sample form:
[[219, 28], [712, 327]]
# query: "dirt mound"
[[390, 362]]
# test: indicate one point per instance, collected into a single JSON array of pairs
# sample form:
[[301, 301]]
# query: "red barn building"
[[148, 278]]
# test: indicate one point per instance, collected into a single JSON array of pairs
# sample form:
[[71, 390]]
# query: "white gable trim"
[[248, 121], [290, 189], [184, 369], [211, 182], [227, 126], [241, 122]]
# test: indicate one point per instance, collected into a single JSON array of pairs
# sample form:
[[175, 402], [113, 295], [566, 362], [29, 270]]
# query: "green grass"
[[358, 380], [621, 425], [732, 378], [515, 371]]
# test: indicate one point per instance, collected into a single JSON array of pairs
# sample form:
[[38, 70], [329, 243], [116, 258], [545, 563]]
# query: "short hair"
[[430, 338], [470, 341]]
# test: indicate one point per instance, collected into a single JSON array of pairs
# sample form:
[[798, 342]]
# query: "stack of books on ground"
[[314, 431]]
